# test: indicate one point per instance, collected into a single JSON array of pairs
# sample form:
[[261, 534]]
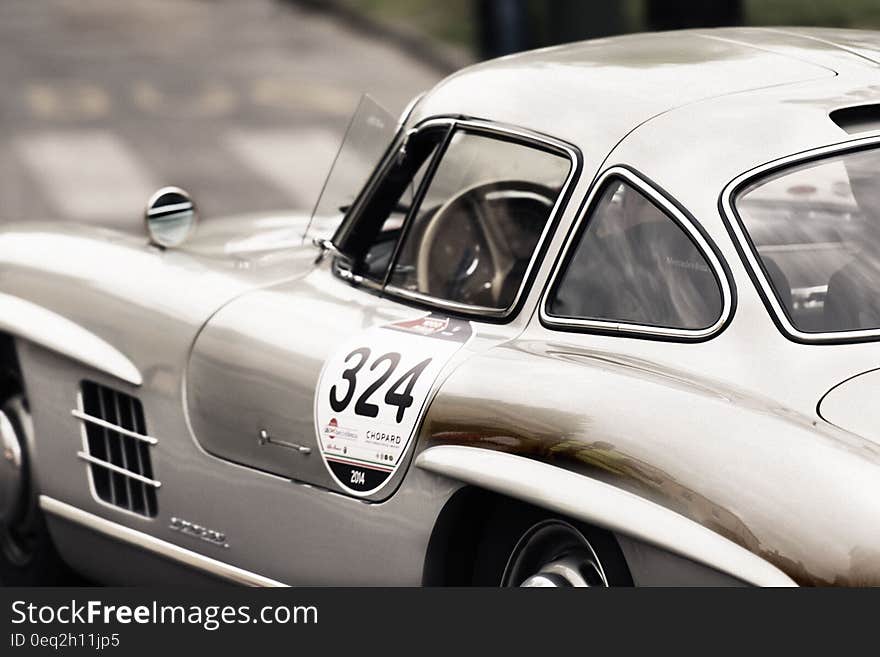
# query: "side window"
[[479, 222], [378, 228], [378, 256], [634, 264]]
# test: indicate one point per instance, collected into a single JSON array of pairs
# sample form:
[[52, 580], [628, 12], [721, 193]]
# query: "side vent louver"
[[117, 448]]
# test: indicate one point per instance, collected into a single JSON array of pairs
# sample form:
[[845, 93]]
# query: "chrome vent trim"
[[85, 417], [118, 470], [116, 449]]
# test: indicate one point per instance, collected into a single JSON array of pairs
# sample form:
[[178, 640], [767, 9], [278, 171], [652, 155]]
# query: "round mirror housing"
[[171, 217]]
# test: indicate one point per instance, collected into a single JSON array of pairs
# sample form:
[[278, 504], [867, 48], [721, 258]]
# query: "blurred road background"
[[241, 102], [244, 102]]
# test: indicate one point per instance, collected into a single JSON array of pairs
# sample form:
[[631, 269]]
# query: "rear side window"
[[634, 264], [816, 229]]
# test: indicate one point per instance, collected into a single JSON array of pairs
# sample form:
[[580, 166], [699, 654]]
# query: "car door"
[[324, 379]]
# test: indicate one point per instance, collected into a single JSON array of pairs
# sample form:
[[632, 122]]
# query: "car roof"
[[720, 85]]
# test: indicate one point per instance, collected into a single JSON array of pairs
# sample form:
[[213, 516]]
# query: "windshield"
[[816, 229], [369, 132]]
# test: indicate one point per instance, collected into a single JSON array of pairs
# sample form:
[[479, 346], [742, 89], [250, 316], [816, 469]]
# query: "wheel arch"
[[477, 529], [649, 533]]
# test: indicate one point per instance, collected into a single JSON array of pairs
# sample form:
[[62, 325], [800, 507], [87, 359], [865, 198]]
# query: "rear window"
[[816, 230]]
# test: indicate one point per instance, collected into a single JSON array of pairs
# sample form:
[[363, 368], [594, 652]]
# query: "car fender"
[[111, 301], [23, 319], [609, 440], [609, 507]]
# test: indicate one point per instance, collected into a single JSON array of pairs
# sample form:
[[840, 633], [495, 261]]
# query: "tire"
[[38, 565], [27, 555], [523, 545]]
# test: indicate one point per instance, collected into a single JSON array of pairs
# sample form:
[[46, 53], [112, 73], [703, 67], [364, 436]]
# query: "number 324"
[[394, 397]]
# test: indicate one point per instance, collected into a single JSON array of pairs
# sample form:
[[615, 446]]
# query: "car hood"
[[254, 236], [852, 405]]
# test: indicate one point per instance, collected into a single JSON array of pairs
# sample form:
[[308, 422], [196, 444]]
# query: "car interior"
[[817, 231], [633, 264], [465, 226]]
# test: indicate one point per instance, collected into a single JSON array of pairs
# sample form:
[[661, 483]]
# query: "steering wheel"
[[533, 203]]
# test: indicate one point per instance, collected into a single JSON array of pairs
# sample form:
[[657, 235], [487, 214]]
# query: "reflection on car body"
[[603, 314]]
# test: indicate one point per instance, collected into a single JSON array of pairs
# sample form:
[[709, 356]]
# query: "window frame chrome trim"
[[409, 109], [528, 139], [748, 253], [453, 306], [628, 329]]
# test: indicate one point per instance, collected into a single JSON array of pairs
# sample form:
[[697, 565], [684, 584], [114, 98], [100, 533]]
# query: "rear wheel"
[[525, 546]]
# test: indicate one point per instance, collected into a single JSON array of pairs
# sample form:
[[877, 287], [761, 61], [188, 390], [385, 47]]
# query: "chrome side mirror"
[[171, 217]]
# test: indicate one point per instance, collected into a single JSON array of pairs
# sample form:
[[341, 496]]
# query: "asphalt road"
[[241, 102]]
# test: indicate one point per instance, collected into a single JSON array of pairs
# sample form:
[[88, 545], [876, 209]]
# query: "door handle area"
[[265, 439]]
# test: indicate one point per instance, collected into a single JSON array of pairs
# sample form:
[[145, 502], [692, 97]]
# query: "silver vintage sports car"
[[601, 314]]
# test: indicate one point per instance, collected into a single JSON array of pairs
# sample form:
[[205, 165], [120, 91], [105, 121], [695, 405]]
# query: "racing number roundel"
[[371, 394]]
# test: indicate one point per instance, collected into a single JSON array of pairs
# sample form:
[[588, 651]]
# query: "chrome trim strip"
[[446, 305], [682, 220], [115, 468], [91, 419], [153, 544], [753, 264], [601, 504], [31, 322]]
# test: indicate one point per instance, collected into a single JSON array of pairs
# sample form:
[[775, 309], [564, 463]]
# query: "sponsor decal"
[[372, 392]]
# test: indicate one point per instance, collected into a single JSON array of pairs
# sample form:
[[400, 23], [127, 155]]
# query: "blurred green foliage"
[[453, 21], [828, 13]]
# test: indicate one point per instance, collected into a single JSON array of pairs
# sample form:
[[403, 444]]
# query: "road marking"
[[208, 100], [287, 94], [295, 161], [67, 101], [87, 175]]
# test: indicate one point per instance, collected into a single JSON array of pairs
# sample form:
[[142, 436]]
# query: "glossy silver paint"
[[255, 366], [723, 433], [167, 296], [853, 406], [147, 542], [27, 320]]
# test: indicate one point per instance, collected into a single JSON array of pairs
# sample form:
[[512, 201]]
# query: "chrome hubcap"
[[554, 554]]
